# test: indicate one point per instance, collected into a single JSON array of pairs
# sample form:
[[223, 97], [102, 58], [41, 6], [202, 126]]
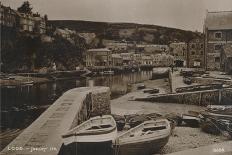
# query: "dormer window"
[[218, 35]]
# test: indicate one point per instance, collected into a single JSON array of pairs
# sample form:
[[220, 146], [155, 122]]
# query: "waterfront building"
[[147, 60], [117, 60], [218, 32], [127, 58], [179, 51], [98, 57], [227, 58], [195, 55], [163, 60], [137, 57]]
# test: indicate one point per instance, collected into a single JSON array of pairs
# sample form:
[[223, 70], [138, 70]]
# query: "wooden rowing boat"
[[93, 136], [144, 139]]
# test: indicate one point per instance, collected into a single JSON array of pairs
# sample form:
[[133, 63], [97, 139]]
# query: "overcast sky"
[[183, 14]]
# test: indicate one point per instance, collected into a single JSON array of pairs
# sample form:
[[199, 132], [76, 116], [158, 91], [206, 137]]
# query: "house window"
[[217, 47], [201, 52], [193, 46], [202, 46], [218, 35], [193, 52], [217, 59]]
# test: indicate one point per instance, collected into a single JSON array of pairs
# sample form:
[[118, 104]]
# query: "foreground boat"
[[145, 139], [93, 136], [215, 123]]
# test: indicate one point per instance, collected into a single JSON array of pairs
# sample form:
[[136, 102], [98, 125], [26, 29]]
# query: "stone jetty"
[[43, 136]]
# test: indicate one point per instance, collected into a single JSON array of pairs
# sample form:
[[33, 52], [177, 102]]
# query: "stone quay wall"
[[201, 98], [44, 135]]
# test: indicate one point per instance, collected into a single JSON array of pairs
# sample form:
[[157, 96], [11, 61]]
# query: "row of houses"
[[22, 22], [211, 51], [124, 47], [106, 57], [190, 54]]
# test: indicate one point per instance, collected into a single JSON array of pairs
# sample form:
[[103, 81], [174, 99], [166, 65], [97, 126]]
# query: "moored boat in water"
[[144, 139]]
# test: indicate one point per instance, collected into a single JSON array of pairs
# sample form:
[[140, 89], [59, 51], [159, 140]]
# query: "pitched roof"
[[228, 50], [219, 20]]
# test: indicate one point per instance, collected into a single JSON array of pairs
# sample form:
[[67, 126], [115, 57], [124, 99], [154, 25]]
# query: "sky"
[[182, 14]]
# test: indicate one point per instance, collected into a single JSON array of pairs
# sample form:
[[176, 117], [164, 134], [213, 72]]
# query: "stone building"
[[8, 16], [226, 62], [137, 57], [128, 58], [117, 60], [147, 60], [40, 25], [179, 51], [195, 55], [163, 60], [98, 57], [22, 22], [149, 49], [218, 32], [26, 22]]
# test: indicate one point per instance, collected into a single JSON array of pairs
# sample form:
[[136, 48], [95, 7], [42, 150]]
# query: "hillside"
[[139, 33], [23, 52]]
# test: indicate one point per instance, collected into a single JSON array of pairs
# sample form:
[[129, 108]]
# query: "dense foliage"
[[26, 52]]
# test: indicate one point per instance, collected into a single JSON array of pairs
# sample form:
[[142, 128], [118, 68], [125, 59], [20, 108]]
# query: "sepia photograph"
[[116, 77]]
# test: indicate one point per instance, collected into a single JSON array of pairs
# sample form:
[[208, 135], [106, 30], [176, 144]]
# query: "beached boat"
[[191, 120], [144, 139], [94, 135]]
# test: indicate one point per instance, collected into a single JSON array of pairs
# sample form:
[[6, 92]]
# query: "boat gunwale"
[[96, 132], [162, 133], [73, 133]]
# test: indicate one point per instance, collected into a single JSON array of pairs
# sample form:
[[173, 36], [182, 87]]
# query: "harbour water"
[[20, 106]]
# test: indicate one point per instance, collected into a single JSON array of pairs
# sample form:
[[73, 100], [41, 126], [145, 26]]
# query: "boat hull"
[[141, 148], [88, 148], [98, 138]]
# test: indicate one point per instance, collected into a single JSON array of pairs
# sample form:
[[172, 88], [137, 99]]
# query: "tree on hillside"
[[25, 8]]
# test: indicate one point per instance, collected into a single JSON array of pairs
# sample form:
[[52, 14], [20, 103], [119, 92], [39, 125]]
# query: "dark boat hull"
[[141, 148], [102, 148]]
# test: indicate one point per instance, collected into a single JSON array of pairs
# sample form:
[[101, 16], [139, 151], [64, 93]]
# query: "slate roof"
[[219, 20]]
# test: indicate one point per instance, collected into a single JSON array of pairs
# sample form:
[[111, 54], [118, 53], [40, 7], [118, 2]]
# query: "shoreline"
[[182, 138]]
